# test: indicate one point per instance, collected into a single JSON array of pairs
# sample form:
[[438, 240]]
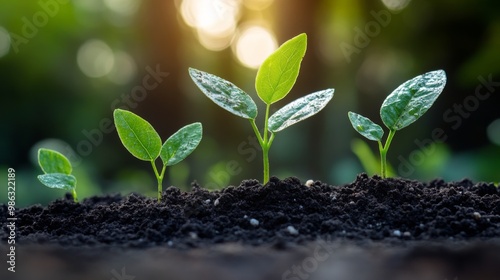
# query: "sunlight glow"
[[95, 58], [4, 41], [257, 5], [215, 21], [254, 45]]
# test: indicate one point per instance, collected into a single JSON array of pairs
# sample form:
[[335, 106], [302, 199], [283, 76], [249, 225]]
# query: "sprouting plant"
[[142, 141], [402, 107], [275, 78], [57, 169]]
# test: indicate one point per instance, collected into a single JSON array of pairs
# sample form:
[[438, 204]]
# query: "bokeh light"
[[215, 21], [123, 7], [493, 131], [254, 45], [396, 5], [4, 42], [124, 68], [95, 58], [257, 5]]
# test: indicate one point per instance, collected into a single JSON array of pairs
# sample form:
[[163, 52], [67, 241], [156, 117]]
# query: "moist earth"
[[256, 227]]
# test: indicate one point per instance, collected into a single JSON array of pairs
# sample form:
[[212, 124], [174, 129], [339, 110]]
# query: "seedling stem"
[[383, 152]]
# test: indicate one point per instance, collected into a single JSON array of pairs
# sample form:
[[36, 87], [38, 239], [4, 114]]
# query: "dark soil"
[[278, 224]]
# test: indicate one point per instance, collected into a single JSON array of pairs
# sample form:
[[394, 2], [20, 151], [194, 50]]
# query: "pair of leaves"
[[142, 141], [403, 106], [275, 79], [57, 169]]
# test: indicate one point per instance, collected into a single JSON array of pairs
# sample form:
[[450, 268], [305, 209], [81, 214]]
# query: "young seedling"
[[142, 141], [275, 78], [57, 169], [402, 107]]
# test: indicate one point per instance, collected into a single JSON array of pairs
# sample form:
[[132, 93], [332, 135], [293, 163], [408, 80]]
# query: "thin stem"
[[383, 153], [75, 198], [266, 146], [159, 178], [257, 133]]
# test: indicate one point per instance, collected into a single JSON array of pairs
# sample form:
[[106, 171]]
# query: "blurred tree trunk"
[[294, 17], [164, 104]]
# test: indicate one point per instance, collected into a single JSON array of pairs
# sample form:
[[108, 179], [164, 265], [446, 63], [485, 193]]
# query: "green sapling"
[[57, 169], [402, 107], [142, 141], [275, 78]]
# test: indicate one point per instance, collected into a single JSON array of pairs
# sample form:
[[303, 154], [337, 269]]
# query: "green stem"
[[266, 146], [159, 178], [75, 198], [383, 153], [265, 142]]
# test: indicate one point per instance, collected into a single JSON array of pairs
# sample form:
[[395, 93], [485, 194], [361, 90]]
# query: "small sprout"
[[402, 107], [57, 169], [216, 202], [142, 141], [275, 78], [309, 183]]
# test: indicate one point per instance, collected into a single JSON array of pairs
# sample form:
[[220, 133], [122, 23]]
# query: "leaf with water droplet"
[[225, 94], [137, 135], [299, 110], [181, 144], [58, 181], [412, 99], [366, 127]]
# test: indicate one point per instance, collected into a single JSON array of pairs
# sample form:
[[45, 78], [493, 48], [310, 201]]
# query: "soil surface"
[[259, 232]]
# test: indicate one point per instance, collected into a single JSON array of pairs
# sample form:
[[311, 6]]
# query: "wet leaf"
[[181, 144], [53, 162], [366, 127], [225, 94], [137, 135], [412, 99], [299, 110], [278, 73], [58, 181]]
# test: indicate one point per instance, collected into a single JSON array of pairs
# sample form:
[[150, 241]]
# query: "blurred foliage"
[[46, 93]]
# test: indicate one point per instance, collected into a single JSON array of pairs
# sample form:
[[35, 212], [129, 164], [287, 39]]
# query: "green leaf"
[[299, 110], [225, 94], [58, 181], [412, 99], [137, 135], [366, 127], [53, 162], [278, 73], [181, 144]]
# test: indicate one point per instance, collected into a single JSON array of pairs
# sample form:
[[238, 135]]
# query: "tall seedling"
[[275, 78]]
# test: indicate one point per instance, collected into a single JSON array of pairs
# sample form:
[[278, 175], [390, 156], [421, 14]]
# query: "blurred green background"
[[65, 65]]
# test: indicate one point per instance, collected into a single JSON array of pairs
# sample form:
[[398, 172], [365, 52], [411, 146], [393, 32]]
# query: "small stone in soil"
[[396, 233], [292, 230], [254, 222]]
